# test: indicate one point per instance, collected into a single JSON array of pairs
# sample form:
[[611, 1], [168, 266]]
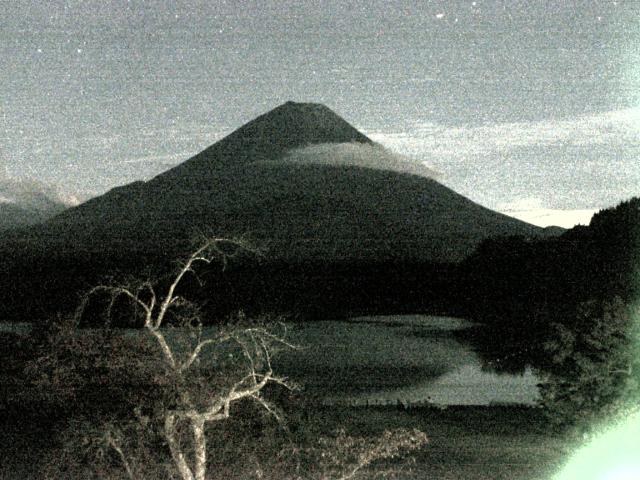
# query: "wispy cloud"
[[168, 158], [570, 166], [617, 127], [359, 155]]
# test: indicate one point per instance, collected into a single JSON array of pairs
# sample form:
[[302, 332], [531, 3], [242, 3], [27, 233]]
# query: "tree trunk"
[[200, 447], [174, 447]]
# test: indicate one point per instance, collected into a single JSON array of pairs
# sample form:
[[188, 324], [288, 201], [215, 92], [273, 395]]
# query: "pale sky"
[[530, 108]]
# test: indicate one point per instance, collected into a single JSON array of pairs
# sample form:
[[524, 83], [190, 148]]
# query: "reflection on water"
[[398, 359]]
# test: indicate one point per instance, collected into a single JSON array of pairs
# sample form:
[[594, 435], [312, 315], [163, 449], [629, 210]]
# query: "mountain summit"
[[269, 136]]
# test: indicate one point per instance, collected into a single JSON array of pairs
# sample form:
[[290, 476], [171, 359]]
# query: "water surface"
[[411, 359]]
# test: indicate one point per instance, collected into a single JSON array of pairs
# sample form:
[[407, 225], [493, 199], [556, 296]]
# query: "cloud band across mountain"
[[357, 155]]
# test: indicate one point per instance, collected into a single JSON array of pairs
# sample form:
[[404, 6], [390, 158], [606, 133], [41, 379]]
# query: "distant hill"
[[523, 289], [512, 280], [14, 216], [27, 202]]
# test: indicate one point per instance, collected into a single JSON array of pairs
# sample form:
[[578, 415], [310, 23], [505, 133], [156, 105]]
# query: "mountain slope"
[[246, 184], [17, 216], [302, 211]]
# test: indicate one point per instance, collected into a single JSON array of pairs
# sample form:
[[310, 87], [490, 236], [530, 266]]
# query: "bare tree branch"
[[116, 446], [268, 407], [254, 342], [196, 256], [164, 346]]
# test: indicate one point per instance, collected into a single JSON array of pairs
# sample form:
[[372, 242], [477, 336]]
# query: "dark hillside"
[[520, 287]]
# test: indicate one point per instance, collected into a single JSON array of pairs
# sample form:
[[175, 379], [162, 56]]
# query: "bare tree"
[[184, 350]]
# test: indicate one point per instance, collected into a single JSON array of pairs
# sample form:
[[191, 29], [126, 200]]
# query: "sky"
[[531, 108]]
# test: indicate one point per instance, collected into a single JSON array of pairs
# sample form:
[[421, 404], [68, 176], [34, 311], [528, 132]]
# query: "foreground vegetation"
[[470, 443], [99, 403], [82, 401], [143, 406]]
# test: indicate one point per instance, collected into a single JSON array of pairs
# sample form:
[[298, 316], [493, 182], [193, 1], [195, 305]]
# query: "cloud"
[[171, 159], [359, 155], [586, 162], [33, 194], [614, 127]]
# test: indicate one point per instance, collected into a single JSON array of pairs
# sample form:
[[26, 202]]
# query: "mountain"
[[27, 202], [298, 180], [253, 183], [16, 216]]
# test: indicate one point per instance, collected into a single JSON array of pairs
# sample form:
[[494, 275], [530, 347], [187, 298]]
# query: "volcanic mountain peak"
[[269, 136], [297, 124]]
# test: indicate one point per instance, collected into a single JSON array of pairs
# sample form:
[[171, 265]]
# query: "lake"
[[408, 359], [382, 360]]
